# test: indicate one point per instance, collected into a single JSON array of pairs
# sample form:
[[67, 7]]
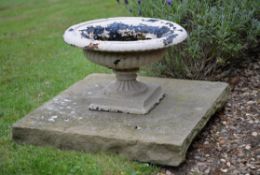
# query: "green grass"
[[35, 65]]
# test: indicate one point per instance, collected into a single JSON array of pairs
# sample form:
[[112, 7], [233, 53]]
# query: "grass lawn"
[[35, 65]]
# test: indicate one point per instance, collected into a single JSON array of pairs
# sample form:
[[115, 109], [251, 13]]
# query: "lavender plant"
[[221, 34]]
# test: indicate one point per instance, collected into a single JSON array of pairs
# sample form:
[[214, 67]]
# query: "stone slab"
[[161, 137]]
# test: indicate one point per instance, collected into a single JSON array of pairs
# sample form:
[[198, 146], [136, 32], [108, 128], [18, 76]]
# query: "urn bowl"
[[125, 42]]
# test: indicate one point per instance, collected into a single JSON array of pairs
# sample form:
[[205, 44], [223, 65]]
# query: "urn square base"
[[137, 104], [161, 136]]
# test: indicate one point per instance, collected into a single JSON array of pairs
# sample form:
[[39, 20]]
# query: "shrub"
[[221, 34]]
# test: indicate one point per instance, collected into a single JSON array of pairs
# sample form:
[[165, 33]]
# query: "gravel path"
[[230, 143]]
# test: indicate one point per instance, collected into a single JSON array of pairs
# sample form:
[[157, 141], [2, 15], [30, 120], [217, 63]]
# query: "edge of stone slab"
[[218, 105], [86, 143]]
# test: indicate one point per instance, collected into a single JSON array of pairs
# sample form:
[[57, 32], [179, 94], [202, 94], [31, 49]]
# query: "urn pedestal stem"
[[125, 84]]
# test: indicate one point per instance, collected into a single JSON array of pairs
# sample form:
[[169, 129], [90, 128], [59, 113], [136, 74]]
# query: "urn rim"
[[161, 33]]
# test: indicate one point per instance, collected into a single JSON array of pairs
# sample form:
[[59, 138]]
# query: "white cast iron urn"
[[124, 44]]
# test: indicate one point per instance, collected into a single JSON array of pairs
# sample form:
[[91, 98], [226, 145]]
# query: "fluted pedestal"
[[127, 95]]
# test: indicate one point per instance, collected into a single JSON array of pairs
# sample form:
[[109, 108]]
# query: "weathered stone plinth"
[[161, 136]]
